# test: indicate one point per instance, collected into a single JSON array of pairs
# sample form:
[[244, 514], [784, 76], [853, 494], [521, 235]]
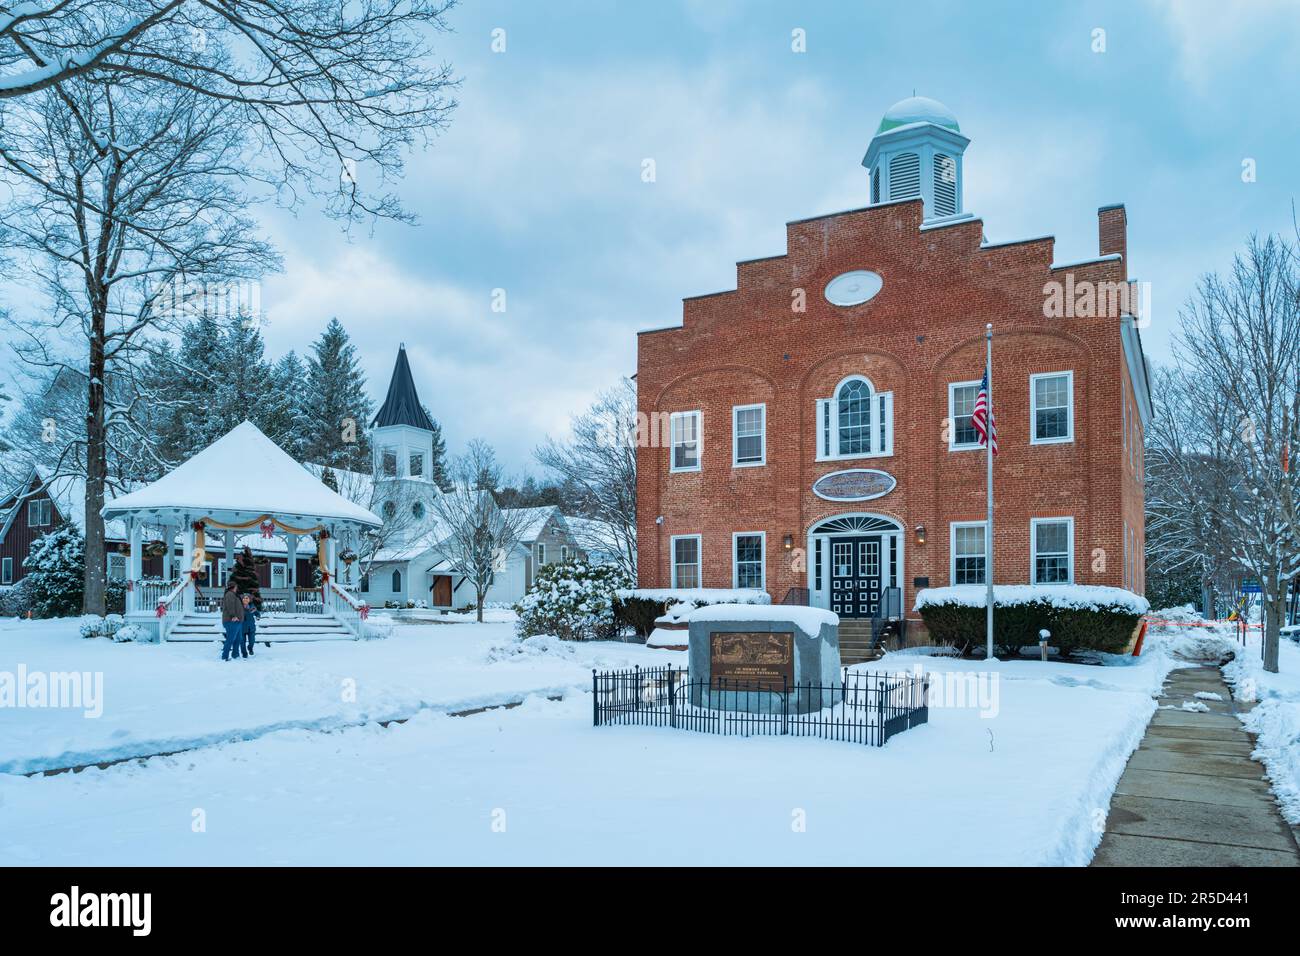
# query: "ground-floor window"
[[7, 571], [968, 552], [1053, 551], [748, 565], [117, 567], [686, 561], [397, 582]]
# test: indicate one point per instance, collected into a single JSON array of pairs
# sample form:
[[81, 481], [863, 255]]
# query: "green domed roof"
[[918, 109]]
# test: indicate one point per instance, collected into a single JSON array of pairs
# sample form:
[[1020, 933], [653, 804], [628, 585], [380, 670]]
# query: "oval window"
[[853, 288], [417, 511]]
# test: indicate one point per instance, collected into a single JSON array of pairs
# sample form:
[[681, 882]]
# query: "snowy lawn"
[[159, 698], [1020, 775], [1276, 718]]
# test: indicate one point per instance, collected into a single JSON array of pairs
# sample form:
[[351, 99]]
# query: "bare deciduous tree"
[[123, 193], [600, 462], [335, 92], [478, 536], [1240, 345]]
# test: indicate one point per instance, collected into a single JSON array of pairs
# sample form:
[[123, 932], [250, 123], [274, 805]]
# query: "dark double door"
[[855, 576]]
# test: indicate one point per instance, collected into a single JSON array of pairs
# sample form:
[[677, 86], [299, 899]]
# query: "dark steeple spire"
[[402, 406]]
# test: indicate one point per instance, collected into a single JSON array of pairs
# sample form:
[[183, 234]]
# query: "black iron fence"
[[860, 708]]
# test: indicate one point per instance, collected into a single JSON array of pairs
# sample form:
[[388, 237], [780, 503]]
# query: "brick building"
[[810, 429]]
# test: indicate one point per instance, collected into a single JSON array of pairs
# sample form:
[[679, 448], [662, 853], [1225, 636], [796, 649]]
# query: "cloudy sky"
[[536, 188]]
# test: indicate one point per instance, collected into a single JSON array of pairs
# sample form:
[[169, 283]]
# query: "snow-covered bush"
[[56, 567], [91, 625], [1079, 617], [377, 627], [113, 623], [640, 608], [572, 600], [16, 601], [132, 632]]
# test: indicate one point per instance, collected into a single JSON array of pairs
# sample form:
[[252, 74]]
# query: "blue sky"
[[536, 187]]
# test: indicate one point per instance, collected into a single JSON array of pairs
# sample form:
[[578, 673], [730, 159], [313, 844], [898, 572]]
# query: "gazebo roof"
[[242, 473]]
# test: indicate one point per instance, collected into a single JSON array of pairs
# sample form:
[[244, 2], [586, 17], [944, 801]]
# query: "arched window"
[[397, 582], [365, 584], [856, 421], [853, 417]]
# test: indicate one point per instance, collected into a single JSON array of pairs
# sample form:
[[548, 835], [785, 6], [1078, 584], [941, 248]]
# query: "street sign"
[[1251, 587]]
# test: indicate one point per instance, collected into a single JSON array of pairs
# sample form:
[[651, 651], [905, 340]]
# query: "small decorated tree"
[[244, 574], [56, 568], [572, 600]]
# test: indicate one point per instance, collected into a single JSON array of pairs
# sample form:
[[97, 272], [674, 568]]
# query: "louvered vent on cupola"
[[904, 176], [945, 185], [875, 185]]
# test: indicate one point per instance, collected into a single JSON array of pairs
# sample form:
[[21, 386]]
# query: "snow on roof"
[[533, 520], [245, 472]]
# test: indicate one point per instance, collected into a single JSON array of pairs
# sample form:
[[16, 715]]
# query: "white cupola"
[[917, 154]]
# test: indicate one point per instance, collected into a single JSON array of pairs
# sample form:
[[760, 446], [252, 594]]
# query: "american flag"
[[981, 414]]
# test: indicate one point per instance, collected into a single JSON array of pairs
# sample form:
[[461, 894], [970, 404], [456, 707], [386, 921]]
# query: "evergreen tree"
[[336, 409], [437, 467], [244, 574], [329, 479], [284, 412], [56, 568]]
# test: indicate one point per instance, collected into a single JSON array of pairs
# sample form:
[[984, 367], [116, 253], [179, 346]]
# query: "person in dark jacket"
[[232, 619], [251, 614]]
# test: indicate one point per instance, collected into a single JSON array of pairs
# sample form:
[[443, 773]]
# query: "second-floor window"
[[40, 513], [858, 422], [416, 465], [1051, 407], [961, 406], [748, 425], [684, 436], [388, 463]]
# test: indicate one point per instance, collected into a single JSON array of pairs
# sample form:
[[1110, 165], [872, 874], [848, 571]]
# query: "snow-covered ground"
[[1020, 774], [176, 696], [1276, 716]]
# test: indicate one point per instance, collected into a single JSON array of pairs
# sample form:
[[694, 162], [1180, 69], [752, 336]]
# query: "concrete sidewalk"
[[1191, 795]]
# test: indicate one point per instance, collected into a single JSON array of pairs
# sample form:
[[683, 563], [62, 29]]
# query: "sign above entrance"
[[855, 484]]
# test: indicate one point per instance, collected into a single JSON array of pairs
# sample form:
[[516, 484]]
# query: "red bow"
[[162, 609], [364, 611], [268, 528]]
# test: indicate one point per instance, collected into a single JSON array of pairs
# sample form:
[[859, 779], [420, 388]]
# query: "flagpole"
[[988, 455]]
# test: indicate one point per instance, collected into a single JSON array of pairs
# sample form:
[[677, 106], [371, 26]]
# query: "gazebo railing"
[[346, 608], [170, 607]]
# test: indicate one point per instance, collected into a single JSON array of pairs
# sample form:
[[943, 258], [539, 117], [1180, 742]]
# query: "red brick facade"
[[921, 332]]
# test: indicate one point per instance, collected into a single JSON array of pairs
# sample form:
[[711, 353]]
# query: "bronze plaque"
[[752, 657]]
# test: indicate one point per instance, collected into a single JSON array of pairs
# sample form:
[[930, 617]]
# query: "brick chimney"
[[1112, 232]]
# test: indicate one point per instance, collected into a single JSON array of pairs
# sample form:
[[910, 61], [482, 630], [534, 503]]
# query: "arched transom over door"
[[856, 566]]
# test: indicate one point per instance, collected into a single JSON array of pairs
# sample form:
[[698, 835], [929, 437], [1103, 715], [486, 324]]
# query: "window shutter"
[[823, 428], [905, 176]]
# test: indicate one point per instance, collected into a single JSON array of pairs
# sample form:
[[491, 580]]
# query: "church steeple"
[[402, 434], [402, 406]]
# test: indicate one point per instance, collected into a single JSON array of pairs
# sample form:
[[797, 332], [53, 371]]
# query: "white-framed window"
[[40, 513], [1051, 407], [7, 571], [1051, 544], [961, 407], [279, 575], [388, 462], [397, 581], [416, 464], [749, 559], [541, 552], [748, 435], [684, 441], [116, 567], [969, 559], [856, 422], [686, 560], [564, 552]]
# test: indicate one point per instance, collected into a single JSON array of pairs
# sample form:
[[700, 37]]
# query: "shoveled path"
[[1191, 795]]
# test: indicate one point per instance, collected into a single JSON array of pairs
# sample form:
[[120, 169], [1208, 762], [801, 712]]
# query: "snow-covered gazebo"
[[240, 483]]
